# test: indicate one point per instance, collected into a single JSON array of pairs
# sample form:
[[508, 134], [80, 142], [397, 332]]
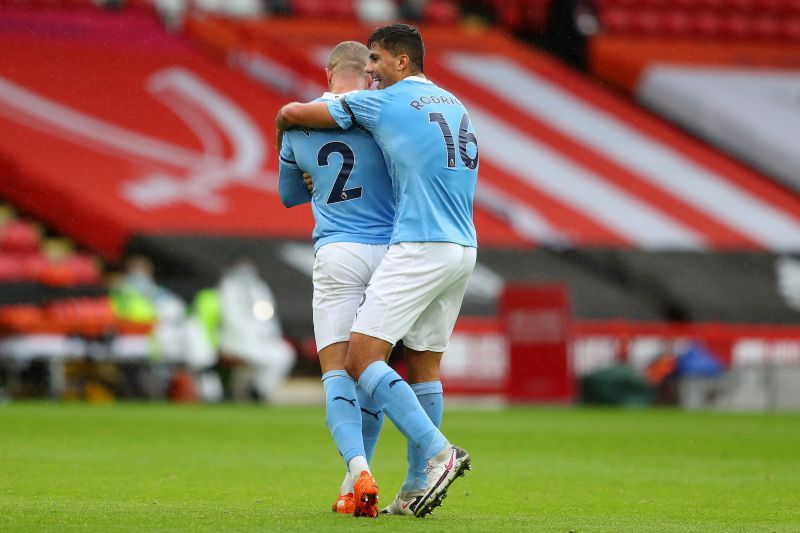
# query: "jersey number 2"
[[464, 139], [338, 192]]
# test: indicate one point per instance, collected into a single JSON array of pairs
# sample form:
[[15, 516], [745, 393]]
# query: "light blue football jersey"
[[352, 199], [432, 154]]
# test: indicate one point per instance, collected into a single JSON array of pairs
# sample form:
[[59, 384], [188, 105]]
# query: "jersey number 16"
[[464, 139]]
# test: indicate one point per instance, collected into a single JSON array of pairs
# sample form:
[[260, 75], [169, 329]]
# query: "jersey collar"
[[417, 78]]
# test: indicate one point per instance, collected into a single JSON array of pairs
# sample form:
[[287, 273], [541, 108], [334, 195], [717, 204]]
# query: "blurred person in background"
[[376, 11], [250, 336], [177, 339], [412, 9]]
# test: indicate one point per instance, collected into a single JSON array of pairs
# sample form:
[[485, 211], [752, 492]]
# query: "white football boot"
[[441, 471], [404, 503]]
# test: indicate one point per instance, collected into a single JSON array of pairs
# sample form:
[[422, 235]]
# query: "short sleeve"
[[287, 152], [360, 108]]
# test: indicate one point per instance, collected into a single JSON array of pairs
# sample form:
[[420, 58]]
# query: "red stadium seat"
[[509, 14], [731, 19], [19, 236], [308, 8], [89, 317], [616, 20], [676, 22], [789, 29], [536, 13], [655, 5], [441, 12], [22, 319], [766, 27], [683, 5], [769, 6], [704, 24], [11, 268], [647, 23], [741, 6], [619, 4], [84, 270], [33, 266], [342, 9], [709, 5], [736, 26], [70, 271]]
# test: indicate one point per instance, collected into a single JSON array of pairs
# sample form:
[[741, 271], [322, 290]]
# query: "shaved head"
[[348, 57]]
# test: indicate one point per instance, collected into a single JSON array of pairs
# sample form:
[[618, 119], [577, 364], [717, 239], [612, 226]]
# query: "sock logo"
[[375, 414], [351, 402], [392, 383]]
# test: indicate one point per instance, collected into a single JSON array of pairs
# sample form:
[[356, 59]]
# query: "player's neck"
[[345, 84], [413, 75], [342, 88]]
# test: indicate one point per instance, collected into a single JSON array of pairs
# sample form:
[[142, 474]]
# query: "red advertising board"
[[476, 361], [535, 353], [536, 321]]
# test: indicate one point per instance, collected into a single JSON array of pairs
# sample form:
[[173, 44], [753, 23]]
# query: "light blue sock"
[[400, 404], [371, 422], [343, 414], [429, 395]]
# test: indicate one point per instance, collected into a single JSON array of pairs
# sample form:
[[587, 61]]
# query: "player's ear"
[[328, 76], [402, 62]]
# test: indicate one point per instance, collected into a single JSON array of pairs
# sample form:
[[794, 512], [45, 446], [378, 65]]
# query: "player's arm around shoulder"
[[311, 115]]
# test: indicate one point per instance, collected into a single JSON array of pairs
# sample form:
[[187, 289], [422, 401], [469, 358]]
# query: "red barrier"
[[476, 361], [536, 320], [483, 360]]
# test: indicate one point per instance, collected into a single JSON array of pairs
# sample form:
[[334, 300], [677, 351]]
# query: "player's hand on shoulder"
[[309, 181]]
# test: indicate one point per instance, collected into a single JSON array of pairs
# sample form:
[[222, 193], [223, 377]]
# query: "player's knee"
[[353, 367], [422, 366]]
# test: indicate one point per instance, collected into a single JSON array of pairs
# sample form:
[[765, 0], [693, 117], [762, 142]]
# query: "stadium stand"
[[168, 153], [718, 69], [757, 19], [47, 286]]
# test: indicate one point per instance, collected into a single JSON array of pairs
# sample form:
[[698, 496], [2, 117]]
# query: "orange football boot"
[[365, 496], [345, 504]]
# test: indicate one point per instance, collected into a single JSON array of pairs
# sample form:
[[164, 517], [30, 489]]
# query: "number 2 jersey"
[[431, 151], [352, 199]]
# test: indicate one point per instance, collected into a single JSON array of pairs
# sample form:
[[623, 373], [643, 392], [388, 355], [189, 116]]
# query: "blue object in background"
[[698, 361]]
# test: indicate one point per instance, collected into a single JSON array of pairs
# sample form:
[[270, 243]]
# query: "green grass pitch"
[[134, 467]]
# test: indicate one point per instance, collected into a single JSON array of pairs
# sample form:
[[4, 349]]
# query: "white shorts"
[[342, 271], [416, 294]]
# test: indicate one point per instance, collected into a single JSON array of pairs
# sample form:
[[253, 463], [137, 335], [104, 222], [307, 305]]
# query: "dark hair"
[[400, 39]]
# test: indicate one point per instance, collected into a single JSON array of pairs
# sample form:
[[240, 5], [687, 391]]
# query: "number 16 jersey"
[[352, 199], [431, 152]]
